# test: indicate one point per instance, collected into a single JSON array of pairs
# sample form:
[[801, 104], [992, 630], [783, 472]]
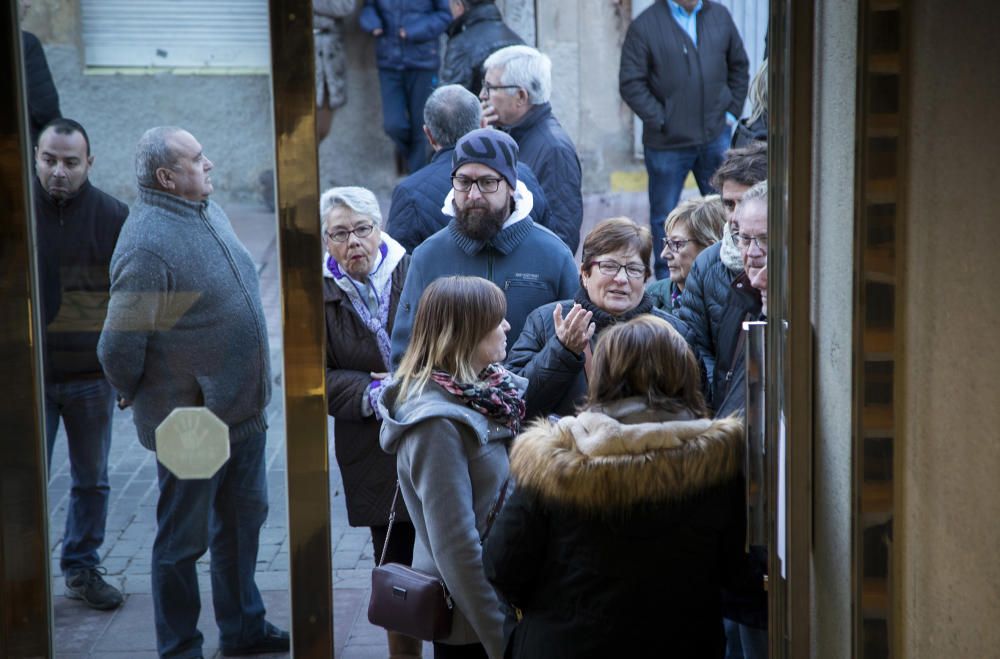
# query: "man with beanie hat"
[[491, 235]]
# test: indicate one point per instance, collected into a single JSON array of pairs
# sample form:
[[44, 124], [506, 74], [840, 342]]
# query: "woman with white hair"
[[364, 270]]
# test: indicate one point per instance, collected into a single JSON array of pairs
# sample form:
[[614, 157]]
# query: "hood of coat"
[[626, 454], [433, 403]]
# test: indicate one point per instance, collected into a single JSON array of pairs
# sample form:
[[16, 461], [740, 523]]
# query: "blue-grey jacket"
[[527, 261], [546, 147], [423, 20], [451, 462], [415, 213], [185, 324]]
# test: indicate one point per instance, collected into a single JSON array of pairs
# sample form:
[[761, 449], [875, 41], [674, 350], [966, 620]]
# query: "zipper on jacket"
[[489, 263]]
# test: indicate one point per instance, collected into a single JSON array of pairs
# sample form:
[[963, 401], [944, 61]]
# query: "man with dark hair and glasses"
[[491, 235], [706, 288]]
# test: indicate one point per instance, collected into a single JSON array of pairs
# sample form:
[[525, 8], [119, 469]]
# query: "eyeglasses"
[[677, 245], [612, 268], [744, 241], [488, 88], [341, 235], [485, 184]]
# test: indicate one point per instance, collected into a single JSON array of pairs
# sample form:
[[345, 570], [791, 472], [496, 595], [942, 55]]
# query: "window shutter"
[[176, 33]]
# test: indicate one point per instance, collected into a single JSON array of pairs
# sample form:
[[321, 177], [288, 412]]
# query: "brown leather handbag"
[[406, 600]]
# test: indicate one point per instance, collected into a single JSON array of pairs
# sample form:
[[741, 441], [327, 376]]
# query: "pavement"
[[131, 525]]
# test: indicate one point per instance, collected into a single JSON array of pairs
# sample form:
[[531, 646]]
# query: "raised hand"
[[576, 329]]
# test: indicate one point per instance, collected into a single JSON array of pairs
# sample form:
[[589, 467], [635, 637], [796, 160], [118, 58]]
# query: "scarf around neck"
[[495, 396], [602, 319]]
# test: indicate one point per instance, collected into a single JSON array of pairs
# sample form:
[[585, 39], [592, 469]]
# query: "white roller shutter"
[[176, 33]]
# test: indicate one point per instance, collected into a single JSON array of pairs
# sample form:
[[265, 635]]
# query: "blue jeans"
[[86, 407], [667, 170], [744, 641], [226, 512], [403, 96]]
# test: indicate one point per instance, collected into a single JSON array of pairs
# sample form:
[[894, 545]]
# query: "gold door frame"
[[25, 600], [25, 580], [789, 343], [300, 248]]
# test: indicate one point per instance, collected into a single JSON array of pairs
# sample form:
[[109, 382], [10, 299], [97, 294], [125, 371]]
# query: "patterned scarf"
[[377, 319], [495, 395]]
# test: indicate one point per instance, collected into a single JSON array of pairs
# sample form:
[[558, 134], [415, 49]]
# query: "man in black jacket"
[[477, 31], [43, 99], [78, 227], [517, 83], [417, 210], [684, 73]]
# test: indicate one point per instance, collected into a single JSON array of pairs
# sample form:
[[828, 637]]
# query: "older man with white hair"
[[516, 88]]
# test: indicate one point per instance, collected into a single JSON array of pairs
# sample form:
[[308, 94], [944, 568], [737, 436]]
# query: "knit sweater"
[[185, 324]]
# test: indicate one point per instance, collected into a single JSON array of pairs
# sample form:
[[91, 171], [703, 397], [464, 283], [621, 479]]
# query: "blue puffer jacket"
[[415, 214], [549, 151], [423, 20]]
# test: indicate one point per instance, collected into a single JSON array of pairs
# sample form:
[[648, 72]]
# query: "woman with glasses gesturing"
[[364, 270], [554, 348]]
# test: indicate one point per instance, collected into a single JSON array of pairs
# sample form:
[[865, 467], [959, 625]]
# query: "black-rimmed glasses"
[[486, 184], [341, 235], [676, 245], [488, 88], [612, 268], [744, 241]]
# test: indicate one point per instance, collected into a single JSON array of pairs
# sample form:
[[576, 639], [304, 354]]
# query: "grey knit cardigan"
[[185, 324]]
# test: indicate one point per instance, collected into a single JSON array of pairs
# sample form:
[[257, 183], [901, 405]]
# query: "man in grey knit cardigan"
[[185, 327]]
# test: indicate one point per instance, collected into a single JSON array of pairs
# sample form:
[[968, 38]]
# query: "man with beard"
[[492, 236]]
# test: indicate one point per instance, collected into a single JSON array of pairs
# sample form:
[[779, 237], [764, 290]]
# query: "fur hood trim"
[[596, 462]]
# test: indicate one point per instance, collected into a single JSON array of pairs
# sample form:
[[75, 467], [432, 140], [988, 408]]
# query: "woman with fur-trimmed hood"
[[627, 519]]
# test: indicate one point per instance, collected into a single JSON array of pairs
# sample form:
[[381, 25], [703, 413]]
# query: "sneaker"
[[274, 640], [89, 586]]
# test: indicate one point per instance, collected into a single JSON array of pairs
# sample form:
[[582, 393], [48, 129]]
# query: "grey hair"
[[450, 112], [152, 152], [758, 193], [360, 200], [526, 68]]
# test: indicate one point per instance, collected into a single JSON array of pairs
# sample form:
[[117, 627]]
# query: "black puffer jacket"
[[545, 147], [679, 91], [706, 291], [625, 524], [472, 37], [728, 389], [43, 99], [557, 382]]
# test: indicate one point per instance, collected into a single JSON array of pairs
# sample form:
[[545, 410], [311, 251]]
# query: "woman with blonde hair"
[[693, 226], [448, 417], [626, 519]]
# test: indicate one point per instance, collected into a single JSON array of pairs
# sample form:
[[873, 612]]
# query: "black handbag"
[[406, 600]]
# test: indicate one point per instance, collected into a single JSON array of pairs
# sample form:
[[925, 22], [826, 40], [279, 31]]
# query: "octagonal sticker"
[[192, 443]]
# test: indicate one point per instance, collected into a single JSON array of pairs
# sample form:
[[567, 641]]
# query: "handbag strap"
[[388, 531], [495, 510]]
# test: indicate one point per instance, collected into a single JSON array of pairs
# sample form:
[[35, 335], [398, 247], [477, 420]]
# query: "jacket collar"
[[534, 116], [473, 15], [504, 242], [178, 207], [626, 454], [64, 204]]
